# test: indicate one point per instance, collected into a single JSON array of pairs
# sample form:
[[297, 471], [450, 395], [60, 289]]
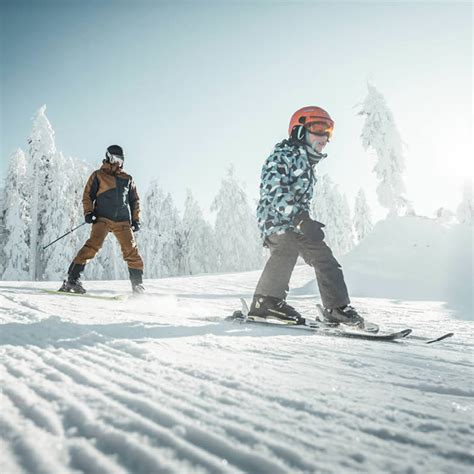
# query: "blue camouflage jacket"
[[286, 188]]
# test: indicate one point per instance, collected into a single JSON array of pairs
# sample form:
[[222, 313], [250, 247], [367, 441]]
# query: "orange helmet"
[[314, 119]]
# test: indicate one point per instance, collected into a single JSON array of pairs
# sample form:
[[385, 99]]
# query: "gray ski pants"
[[285, 249]]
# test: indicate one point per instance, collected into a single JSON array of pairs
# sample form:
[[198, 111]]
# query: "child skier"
[[286, 190], [111, 204]]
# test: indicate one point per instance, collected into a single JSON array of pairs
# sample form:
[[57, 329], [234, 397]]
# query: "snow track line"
[[193, 409], [413, 441], [124, 444], [252, 461], [87, 458], [277, 447], [208, 442], [248, 394], [22, 436], [25, 304], [284, 403], [32, 407]]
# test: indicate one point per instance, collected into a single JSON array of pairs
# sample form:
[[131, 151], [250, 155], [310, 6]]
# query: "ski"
[[319, 328], [320, 323], [444, 336], [87, 295], [370, 331]]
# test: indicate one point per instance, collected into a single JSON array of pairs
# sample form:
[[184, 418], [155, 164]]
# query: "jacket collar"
[[112, 169]]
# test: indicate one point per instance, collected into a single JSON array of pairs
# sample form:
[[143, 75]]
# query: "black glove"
[[90, 218], [312, 230], [135, 226]]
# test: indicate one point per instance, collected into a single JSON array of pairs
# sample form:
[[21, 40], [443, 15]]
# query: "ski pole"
[[67, 233]]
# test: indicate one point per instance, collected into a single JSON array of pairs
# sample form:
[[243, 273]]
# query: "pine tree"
[[15, 248], [332, 209], [40, 152], [172, 256], [149, 239], [362, 220], [64, 212], [346, 233], [465, 210], [237, 240], [3, 231], [161, 240], [380, 134], [198, 239]]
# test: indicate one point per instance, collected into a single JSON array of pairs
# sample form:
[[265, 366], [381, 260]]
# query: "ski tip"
[[444, 336]]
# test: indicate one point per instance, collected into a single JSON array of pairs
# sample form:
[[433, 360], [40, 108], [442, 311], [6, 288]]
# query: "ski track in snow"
[[157, 385]]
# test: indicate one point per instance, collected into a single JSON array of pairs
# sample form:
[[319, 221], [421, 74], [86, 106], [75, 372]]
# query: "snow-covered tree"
[[444, 215], [15, 248], [3, 231], [41, 149], [160, 237], [148, 237], [381, 134], [465, 210], [346, 235], [64, 212], [172, 255], [238, 244], [332, 209], [362, 219], [198, 238]]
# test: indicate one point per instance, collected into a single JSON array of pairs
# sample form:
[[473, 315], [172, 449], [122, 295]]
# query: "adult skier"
[[287, 229], [111, 204]]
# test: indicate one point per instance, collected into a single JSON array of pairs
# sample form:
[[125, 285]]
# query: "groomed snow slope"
[[157, 385]]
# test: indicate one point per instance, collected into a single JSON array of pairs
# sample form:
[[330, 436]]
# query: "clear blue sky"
[[189, 87]]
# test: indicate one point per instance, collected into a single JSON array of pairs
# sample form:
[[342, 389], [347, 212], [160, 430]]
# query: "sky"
[[189, 88]]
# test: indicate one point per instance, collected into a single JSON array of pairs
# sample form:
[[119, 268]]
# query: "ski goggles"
[[320, 128], [115, 159]]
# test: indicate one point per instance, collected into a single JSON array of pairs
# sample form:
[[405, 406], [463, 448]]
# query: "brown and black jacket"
[[111, 193]]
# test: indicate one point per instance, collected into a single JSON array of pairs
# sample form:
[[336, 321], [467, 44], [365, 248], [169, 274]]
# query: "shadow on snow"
[[56, 332]]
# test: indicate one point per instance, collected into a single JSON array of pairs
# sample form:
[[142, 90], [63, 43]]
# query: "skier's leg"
[[124, 234], [276, 275], [73, 283], [270, 294], [329, 276], [99, 232]]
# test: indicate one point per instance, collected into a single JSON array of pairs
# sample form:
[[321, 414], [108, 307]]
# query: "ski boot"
[[344, 315], [264, 307], [73, 282], [136, 278]]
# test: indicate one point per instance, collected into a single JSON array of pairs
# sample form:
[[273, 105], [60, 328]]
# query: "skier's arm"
[[90, 193], [134, 202]]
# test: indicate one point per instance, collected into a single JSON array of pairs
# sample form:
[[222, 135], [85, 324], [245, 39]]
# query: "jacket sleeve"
[[90, 193], [134, 202], [276, 184]]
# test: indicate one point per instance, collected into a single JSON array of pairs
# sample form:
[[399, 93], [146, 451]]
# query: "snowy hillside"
[[159, 385], [415, 258]]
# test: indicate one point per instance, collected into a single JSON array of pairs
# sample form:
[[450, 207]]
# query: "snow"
[[160, 384], [415, 258]]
